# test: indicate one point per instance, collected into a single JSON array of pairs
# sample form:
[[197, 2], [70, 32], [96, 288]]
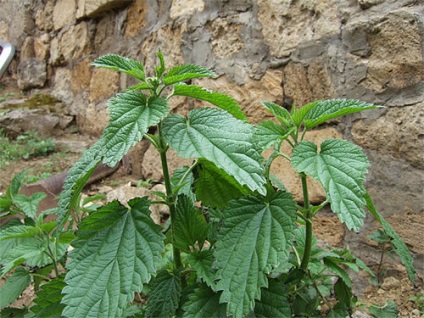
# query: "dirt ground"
[[395, 284]]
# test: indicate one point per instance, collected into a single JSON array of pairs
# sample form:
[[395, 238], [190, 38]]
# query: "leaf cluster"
[[236, 245]]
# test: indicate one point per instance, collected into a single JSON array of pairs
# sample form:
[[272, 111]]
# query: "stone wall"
[[264, 50]]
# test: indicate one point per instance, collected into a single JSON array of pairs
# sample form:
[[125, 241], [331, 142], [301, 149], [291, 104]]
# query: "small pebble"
[[390, 283]]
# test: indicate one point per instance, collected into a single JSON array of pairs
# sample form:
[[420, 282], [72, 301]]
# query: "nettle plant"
[[236, 243]]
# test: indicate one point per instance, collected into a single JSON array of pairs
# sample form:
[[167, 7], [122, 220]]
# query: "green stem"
[[40, 276], [171, 203], [187, 173], [53, 257], [308, 224], [318, 291]]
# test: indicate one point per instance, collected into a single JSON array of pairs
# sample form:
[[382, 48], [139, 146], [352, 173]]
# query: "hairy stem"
[[171, 203], [308, 224], [380, 263], [52, 256], [318, 291]]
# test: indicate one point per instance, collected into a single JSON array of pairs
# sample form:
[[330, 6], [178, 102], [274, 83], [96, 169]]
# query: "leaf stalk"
[[308, 224]]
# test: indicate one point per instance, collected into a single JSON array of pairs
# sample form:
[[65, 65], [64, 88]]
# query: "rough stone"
[[249, 96], [400, 132], [44, 16], [81, 76], [31, 73], [287, 24], [42, 47], [136, 19], [104, 38], [63, 13], [355, 38], [27, 49], [226, 38], [94, 8], [55, 55], [74, 146], [17, 15], [394, 185], [407, 224], [103, 84], [185, 8], [290, 178], [390, 283], [61, 86], [17, 122], [4, 31], [396, 58], [366, 4], [75, 42], [93, 119], [305, 84], [168, 40]]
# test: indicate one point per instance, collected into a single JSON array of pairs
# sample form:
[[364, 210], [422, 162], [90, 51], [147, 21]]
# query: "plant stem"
[[383, 250], [318, 291], [171, 203], [308, 224], [53, 257]]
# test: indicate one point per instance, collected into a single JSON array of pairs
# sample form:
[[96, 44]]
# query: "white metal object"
[[6, 56]]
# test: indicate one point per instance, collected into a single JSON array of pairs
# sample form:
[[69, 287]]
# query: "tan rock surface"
[[63, 13]]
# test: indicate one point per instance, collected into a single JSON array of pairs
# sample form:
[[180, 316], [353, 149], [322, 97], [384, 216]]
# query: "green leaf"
[[33, 252], [215, 135], [340, 167], [280, 113], [180, 186], [15, 313], [268, 133], [164, 297], [186, 72], [140, 86], [161, 68], [399, 246], [332, 266], [75, 181], [214, 187], [344, 294], [29, 205], [48, 302], [116, 251], [121, 64], [190, 225], [300, 113], [15, 185], [18, 231], [274, 301], [202, 263], [339, 310], [204, 303], [131, 115], [389, 310], [256, 237], [329, 109], [14, 286], [221, 100]]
